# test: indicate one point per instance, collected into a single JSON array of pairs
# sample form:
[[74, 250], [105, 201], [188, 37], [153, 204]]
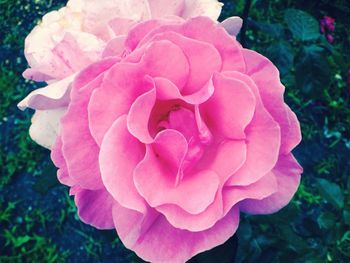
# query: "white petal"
[[210, 8], [45, 126], [52, 96], [232, 25]]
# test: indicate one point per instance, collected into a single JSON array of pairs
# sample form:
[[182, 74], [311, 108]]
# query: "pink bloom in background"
[[327, 27], [174, 132], [68, 40]]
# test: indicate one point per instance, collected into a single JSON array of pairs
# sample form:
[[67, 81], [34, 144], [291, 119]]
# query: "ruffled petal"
[[79, 148], [144, 232], [262, 136], [118, 163], [271, 90], [95, 208], [287, 173], [159, 169], [53, 96], [231, 107]]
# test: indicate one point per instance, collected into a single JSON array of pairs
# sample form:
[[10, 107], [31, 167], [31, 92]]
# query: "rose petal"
[[210, 8], [117, 164], [151, 172], [139, 114], [142, 233], [95, 208], [287, 173], [53, 96], [45, 126], [59, 161], [231, 107], [263, 139], [79, 148], [271, 90], [232, 25]]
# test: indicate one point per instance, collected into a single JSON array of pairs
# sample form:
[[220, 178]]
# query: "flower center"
[[195, 131]]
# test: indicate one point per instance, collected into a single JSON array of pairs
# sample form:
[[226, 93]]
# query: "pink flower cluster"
[[327, 26]]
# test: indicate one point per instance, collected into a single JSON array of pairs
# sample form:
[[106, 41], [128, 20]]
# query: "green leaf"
[[312, 70], [274, 30], [331, 192], [326, 220], [281, 54], [302, 25]]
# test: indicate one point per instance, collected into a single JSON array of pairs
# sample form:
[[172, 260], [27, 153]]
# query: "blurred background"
[[309, 41]]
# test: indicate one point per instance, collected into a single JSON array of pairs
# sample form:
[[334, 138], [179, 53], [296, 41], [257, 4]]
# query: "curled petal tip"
[[232, 25]]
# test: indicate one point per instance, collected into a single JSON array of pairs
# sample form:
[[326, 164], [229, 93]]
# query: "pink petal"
[[128, 82], [115, 47], [227, 158], [139, 114], [264, 187], [205, 30], [119, 155], [160, 169], [231, 107], [59, 161], [271, 90], [262, 136], [202, 57], [166, 90], [79, 148], [143, 233], [95, 208], [72, 55], [232, 25], [53, 96], [287, 173], [156, 64], [121, 26]]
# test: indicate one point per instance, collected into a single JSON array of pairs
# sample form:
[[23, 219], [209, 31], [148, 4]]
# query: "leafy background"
[[38, 221]]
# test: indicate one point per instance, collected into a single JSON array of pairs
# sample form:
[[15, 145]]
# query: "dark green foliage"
[[38, 221]]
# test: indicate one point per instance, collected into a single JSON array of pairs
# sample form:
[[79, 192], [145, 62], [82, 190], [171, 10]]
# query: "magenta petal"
[[271, 90], [139, 114], [156, 64], [287, 173], [263, 139], [264, 187], [59, 161], [166, 90], [125, 79], [144, 233], [231, 107], [154, 171], [225, 160], [203, 59], [79, 148], [119, 155], [95, 208]]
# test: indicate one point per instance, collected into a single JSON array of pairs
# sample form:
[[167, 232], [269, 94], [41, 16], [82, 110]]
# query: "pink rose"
[[68, 40], [170, 136]]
